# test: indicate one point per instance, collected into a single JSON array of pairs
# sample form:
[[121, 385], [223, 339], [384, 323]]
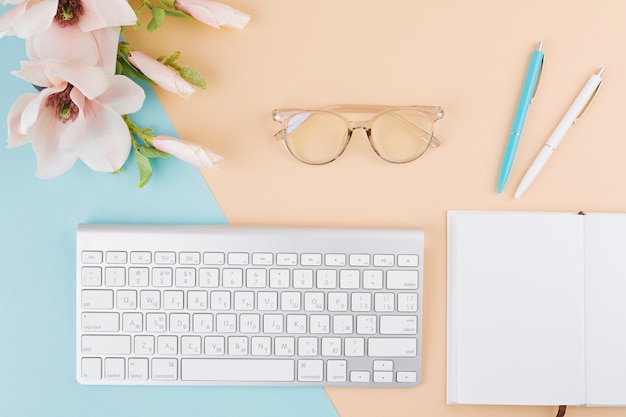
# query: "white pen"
[[575, 112]]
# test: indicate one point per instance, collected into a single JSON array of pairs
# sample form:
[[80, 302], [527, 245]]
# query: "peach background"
[[469, 57]]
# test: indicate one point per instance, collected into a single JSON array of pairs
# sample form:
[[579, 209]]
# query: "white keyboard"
[[227, 305]]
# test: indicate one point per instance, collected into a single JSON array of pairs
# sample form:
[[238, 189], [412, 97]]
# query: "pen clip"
[[538, 81], [593, 96]]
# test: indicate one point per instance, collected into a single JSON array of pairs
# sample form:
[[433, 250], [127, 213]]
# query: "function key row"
[[244, 258]]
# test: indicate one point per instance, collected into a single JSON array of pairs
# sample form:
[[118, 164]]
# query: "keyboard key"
[[383, 365], [310, 259], [232, 278], [97, 299], [245, 370], [138, 277], [326, 278], [335, 259], [349, 279], [373, 279], [383, 376], [91, 257], [407, 302], [91, 369], [164, 369], [359, 376], [189, 258], [106, 345], [91, 276], [336, 370], [185, 277], [310, 370], [359, 259], [408, 260], [138, 369], [115, 277], [238, 258], [140, 257], [126, 299], [213, 258], [279, 278], [256, 278], [398, 325], [302, 278], [265, 259], [388, 347], [383, 260], [286, 259], [116, 257], [406, 376], [114, 368], [162, 277], [354, 346], [208, 277], [165, 258], [402, 280], [337, 301], [100, 322]]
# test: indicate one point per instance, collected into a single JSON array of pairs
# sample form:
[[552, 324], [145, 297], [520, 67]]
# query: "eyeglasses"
[[397, 134]]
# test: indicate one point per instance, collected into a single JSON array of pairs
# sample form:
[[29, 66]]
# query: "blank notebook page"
[[515, 308], [606, 308]]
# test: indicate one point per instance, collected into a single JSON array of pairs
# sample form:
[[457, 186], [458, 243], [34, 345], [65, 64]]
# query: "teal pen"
[[528, 93]]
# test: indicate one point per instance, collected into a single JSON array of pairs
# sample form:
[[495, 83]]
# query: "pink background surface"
[[470, 58]]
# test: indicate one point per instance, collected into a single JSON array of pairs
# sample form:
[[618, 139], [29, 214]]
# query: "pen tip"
[[540, 46]]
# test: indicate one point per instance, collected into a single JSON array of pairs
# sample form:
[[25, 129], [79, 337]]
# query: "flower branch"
[[86, 93]]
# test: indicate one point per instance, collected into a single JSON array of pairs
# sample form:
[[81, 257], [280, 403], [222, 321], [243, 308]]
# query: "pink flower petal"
[[17, 138], [164, 76], [107, 140], [34, 108], [107, 40], [91, 80], [123, 95], [28, 18], [213, 13], [68, 44], [56, 144], [100, 14], [189, 152]]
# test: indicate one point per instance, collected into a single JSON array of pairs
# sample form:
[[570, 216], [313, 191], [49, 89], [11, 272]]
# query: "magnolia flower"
[[32, 17], [83, 31], [189, 152], [213, 13], [164, 76], [77, 114]]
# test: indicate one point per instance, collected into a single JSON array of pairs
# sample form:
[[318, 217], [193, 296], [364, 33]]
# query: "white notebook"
[[536, 308]]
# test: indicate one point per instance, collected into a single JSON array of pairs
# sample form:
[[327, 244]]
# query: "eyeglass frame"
[[283, 116]]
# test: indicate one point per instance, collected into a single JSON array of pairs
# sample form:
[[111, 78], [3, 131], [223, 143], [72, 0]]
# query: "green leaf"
[[145, 169], [168, 3], [172, 58], [150, 152], [177, 13], [129, 70], [158, 17], [193, 77]]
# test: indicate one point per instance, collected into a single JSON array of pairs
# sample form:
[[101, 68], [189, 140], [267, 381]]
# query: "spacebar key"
[[238, 370]]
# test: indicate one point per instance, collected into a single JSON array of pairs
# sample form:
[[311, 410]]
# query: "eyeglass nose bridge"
[[360, 124]]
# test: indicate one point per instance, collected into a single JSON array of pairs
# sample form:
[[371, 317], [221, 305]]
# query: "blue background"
[[38, 220]]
